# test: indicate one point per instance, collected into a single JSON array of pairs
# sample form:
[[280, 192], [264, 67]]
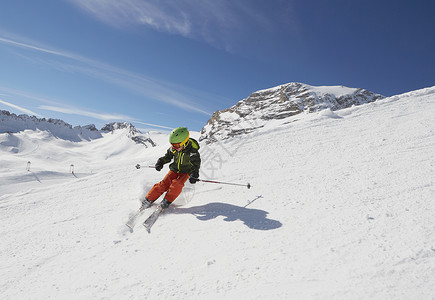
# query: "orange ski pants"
[[173, 183]]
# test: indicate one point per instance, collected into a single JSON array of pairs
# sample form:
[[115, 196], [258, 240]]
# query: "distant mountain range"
[[280, 102], [246, 116], [12, 123]]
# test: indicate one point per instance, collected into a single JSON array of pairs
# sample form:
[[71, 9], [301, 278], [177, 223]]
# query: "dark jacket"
[[187, 160]]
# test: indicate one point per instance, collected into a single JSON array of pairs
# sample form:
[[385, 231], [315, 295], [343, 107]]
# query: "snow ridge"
[[12, 123]]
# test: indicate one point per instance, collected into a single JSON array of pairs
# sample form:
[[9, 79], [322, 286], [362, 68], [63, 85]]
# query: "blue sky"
[[164, 64]]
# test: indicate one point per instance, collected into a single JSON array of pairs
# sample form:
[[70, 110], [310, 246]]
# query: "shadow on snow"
[[253, 218]]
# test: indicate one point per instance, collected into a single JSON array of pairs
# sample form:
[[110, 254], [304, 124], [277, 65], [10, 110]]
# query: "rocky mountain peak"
[[133, 132], [278, 103]]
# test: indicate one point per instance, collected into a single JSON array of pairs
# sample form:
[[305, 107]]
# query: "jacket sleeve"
[[167, 157], [195, 160]]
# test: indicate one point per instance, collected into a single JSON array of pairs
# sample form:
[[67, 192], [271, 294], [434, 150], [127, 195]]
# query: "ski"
[[134, 217], [149, 222]]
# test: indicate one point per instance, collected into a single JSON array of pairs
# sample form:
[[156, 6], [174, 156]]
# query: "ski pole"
[[220, 182], [138, 166]]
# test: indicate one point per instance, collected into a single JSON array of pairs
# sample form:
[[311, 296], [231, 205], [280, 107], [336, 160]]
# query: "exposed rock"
[[278, 103]]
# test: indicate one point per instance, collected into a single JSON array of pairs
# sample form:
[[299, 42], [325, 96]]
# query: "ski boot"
[[145, 204], [164, 204]]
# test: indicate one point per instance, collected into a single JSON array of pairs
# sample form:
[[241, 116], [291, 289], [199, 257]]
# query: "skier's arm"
[[163, 160], [195, 160], [167, 157]]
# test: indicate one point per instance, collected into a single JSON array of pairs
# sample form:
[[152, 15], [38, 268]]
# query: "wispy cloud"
[[219, 23], [51, 105], [19, 108], [85, 113], [22, 94], [96, 115], [153, 89], [153, 125], [71, 110], [32, 47]]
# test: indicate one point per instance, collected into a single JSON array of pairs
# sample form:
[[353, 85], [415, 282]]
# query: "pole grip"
[[138, 166]]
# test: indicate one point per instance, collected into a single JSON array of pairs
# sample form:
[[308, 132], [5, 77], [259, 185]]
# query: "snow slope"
[[341, 207]]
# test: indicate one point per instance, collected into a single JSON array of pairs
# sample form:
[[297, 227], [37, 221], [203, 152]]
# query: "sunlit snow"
[[341, 207]]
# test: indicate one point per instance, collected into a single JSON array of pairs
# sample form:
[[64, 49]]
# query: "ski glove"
[[194, 177], [159, 165]]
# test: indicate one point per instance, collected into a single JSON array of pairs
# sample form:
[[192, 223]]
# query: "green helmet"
[[179, 135]]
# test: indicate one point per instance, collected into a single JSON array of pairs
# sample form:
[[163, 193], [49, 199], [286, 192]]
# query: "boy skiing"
[[185, 165]]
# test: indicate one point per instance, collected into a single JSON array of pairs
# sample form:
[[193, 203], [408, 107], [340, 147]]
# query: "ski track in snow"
[[341, 207]]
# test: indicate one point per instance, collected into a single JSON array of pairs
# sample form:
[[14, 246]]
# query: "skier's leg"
[[159, 188], [176, 187]]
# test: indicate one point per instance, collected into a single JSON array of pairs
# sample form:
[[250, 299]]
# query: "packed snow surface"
[[341, 207]]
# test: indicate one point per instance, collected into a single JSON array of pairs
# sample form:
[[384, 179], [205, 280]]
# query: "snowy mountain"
[[278, 103], [132, 132], [12, 123], [341, 207]]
